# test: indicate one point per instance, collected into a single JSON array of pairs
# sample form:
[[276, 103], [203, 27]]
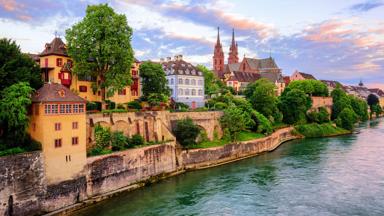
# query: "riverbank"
[[320, 130]]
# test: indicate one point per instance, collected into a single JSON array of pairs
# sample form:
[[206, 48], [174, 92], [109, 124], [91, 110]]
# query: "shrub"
[[110, 104], [263, 124], [119, 141], [346, 119], [220, 106], [102, 137], [180, 106], [319, 130], [201, 109], [134, 105], [233, 120], [136, 140], [186, 132], [91, 106], [120, 106], [318, 117], [12, 151], [98, 151]]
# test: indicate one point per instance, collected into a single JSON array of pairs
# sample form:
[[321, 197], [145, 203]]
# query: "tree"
[[212, 84], [294, 106], [100, 46], [153, 80], [346, 119], [263, 125], [262, 96], [310, 87], [186, 132], [17, 67], [360, 107], [322, 116], [14, 114], [233, 121], [340, 101]]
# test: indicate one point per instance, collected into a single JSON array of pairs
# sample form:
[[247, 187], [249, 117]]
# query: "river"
[[325, 176]]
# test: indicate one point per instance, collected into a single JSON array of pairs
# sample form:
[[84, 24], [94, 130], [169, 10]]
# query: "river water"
[[326, 176]]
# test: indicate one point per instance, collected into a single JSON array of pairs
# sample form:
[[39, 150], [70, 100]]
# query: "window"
[[123, 92], [83, 88], [57, 143], [68, 108], [62, 108], [200, 92], [75, 108], [59, 62], [47, 108], [186, 91], [193, 82], [180, 81], [57, 126], [171, 81], [134, 72], [81, 108], [200, 82], [55, 108], [75, 140], [193, 91], [186, 81], [180, 91], [75, 125]]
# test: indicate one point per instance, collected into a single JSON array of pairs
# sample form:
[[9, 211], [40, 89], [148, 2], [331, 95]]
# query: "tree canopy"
[[153, 80], [186, 132], [262, 96], [17, 67], [233, 121], [310, 87], [294, 106], [212, 83], [100, 45], [372, 100]]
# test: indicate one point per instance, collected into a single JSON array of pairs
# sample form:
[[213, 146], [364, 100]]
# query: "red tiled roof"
[[244, 76], [54, 92], [56, 47]]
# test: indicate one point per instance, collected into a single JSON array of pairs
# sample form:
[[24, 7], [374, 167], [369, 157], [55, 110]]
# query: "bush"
[[233, 120], [134, 105], [102, 137], [263, 124], [12, 151], [186, 132], [110, 104], [119, 141], [319, 130], [120, 106], [346, 119], [201, 109], [91, 106], [220, 106], [181, 106], [136, 140], [98, 151], [318, 117]]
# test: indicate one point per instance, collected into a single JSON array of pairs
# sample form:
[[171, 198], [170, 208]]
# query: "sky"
[[339, 40]]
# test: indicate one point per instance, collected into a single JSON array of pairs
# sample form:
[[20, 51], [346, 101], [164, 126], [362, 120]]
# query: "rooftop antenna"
[[56, 34]]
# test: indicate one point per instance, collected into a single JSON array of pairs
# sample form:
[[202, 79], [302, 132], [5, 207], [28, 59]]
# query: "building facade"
[[238, 74], [58, 122], [297, 75], [185, 81], [56, 67]]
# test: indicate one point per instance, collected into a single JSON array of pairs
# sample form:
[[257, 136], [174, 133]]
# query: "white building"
[[185, 81]]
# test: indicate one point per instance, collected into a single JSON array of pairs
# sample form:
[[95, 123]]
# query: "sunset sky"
[[338, 40]]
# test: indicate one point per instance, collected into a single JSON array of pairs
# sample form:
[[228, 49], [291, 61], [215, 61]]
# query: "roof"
[[287, 79], [272, 76], [180, 67], [34, 57], [56, 47], [307, 76], [377, 91], [244, 76], [266, 63], [331, 83], [54, 92]]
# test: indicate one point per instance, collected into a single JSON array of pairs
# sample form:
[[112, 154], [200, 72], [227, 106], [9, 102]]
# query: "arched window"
[[193, 82], [200, 92], [193, 91], [171, 81], [186, 91], [180, 81], [180, 91], [200, 82], [186, 81]]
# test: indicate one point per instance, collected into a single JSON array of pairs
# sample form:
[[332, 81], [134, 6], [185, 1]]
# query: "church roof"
[[261, 63], [54, 92], [180, 67], [272, 76], [244, 76], [56, 47]]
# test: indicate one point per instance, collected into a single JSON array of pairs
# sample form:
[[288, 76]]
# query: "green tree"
[[118, 141], [153, 80], [17, 67], [212, 84], [136, 140], [262, 96], [103, 137], [340, 101], [186, 132], [310, 87], [100, 46], [233, 121], [263, 125], [14, 119], [376, 109], [322, 116], [373, 101], [294, 105], [346, 119], [360, 107]]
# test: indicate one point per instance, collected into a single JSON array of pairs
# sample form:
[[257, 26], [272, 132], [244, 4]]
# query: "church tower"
[[218, 55], [233, 53]]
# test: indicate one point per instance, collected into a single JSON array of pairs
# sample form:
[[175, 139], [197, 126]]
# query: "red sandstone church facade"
[[238, 74]]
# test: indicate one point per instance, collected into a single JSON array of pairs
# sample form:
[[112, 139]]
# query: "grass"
[[320, 130], [242, 136], [279, 125], [12, 151]]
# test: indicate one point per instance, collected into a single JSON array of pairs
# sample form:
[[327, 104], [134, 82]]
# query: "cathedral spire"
[[218, 36], [233, 53], [218, 55]]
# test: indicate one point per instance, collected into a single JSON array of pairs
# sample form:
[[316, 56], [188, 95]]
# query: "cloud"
[[366, 6], [10, 5]]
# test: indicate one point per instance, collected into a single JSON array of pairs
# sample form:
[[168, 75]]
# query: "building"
[[58, 121], [331, 84], [380, 94], [297, 75], [359, 91], [238, 74], [56, 67], [185, 80]]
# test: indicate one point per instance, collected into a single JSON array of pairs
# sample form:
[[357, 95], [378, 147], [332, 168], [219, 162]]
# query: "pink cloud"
[[331, 31], [375, 85], [11, 5]]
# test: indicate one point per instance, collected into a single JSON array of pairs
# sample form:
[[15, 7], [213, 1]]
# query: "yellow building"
[[58, 121], [56, 67]]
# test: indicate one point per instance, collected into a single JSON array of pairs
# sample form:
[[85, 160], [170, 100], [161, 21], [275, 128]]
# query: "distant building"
[[58, 122], [297, 75], [331, 84], [239, 74], [56, 67], [359, 91], [185, 80]]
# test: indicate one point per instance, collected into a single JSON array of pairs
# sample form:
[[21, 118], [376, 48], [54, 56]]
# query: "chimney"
[[169, 59]]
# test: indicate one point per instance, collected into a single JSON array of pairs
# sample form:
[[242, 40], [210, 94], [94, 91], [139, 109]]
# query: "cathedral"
[[238, 74]]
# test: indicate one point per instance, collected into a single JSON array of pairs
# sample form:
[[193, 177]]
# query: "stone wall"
[[200, 158], [326, 102], [110, 172], [21, 183]]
